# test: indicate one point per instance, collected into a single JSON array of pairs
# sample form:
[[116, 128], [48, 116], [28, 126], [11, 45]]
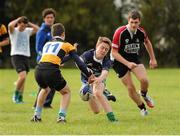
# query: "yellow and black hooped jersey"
[[54, 51]]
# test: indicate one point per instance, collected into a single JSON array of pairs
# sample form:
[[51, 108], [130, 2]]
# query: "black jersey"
[[129, 44], [96, 66]]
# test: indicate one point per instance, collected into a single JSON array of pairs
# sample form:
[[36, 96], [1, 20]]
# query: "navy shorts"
[[20, 63], [51, 78]]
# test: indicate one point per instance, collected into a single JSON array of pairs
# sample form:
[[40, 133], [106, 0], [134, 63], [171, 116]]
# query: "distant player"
[[20, 31], [48, 74], [98, 62], [126, 45]]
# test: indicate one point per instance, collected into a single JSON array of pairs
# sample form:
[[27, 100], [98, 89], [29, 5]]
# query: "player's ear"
[[63, 35]]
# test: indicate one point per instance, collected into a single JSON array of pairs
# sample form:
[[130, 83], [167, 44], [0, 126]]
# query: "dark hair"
[[134, 14], [57, 29], [48, 11], [23, 19]]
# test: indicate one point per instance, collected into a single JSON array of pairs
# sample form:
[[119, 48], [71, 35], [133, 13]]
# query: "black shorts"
[[20, 63], [122, 69], [51, 78]]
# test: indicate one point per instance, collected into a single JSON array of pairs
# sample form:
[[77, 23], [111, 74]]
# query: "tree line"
[[86, 20]]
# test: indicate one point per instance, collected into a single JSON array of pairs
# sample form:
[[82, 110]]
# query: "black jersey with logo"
[[129, 44]]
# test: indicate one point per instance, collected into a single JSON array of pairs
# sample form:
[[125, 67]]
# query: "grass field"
[[163, 119]]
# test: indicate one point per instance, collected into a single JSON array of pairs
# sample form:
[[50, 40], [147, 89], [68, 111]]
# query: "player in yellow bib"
[[55, 50], [48, 75]]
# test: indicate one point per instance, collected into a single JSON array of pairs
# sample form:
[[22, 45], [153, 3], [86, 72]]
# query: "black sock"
[[143, 93], [142, 106]]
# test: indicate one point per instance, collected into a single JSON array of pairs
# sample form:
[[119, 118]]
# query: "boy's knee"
[[144, 81], [97, 94], [65, 91], [22, 77]]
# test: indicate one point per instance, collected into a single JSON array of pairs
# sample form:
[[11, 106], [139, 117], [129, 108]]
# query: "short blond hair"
[[102, 39]]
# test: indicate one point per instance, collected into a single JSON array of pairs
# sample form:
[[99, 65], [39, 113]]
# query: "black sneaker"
[[35, 119], [61, 120], [109, 95]]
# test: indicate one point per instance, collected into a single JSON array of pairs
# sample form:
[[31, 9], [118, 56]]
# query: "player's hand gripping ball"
[[91, 79]]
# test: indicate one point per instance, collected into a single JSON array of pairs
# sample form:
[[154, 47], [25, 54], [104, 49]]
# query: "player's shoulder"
[[88, 53], [44, 26], [141, 29], [68, 47], [121, 29], [41, 32], [66, 43]]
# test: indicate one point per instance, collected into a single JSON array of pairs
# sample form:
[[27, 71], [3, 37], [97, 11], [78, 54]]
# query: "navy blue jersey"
[[96, 66]]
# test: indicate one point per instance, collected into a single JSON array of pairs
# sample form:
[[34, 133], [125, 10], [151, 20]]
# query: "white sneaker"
[[61, 120], [144, 112], [149, 101]]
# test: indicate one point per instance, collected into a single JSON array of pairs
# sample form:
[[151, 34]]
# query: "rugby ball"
[[85, 93]]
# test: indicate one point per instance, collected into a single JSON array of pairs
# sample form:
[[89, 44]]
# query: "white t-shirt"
[[20, 42]]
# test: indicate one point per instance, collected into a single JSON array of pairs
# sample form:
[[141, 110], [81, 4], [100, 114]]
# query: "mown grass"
[[163, 119]]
